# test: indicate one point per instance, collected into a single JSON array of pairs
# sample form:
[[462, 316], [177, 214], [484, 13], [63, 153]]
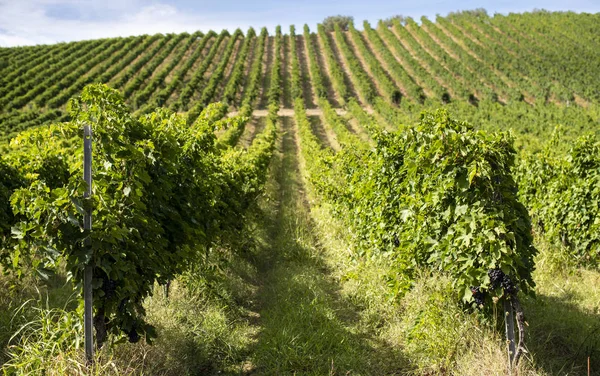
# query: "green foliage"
[[434, 328], [393, 44], [56, 76], [160, 99], [192, 85], [395, 69], [120, 64], [391, 92], [436, 69], [150, 67], [254, 79], [142, 96], [316, 77], [316, 156], [479, 13]]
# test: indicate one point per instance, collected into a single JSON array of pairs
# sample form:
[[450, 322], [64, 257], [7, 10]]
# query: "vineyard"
[[354, 199]]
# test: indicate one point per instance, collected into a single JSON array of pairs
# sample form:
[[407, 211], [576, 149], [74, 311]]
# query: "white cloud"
[[27, 22], [11, 40]]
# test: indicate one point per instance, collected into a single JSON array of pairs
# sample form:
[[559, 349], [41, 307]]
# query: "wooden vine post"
[[512, 310], [87, 226], [509, 326]]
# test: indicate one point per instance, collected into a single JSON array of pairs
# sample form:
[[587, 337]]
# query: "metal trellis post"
[[87, 226]]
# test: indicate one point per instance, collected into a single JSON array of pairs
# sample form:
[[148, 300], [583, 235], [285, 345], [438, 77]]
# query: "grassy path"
[[305, 325]]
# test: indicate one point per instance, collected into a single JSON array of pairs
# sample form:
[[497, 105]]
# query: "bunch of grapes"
[[508, 286], [133, 335], [478, 295], [109, 287], [499, 279], [496, 277]]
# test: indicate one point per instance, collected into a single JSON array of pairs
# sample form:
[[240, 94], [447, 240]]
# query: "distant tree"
[[343, 21], [389, 22], [540, 11], [479, 13]]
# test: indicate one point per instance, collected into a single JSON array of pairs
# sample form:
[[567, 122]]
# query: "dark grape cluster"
[[133, 335], [499, 279], [508, 285], [496, 277], [109, 287], [478, 295]]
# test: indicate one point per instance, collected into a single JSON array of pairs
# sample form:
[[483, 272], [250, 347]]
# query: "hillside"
[[534, 58], [363, 201]]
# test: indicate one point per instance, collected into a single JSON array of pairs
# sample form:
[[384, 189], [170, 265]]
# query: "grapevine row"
[[66, 81], [93, 74], [215, 79], [141, 97], [121, 64], [405, 59], [149, 69], [436, 68], [188, 91], [316, 76], [125, 76], [237, 76], [275, 92], [491, 56], [470, 80], [374, 67], [39, 64], [573, 68], [53, 75], [395, 69], [160, 99], [335, 71], [474, 65], [295, 76]]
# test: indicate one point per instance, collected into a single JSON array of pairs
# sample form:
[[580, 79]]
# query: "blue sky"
[[26, 22]]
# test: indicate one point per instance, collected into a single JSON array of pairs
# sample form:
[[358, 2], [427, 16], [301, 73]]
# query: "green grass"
[[564, 318], [22, 300]]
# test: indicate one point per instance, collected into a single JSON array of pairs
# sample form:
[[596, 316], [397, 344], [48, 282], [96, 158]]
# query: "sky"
[[30, 22]]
